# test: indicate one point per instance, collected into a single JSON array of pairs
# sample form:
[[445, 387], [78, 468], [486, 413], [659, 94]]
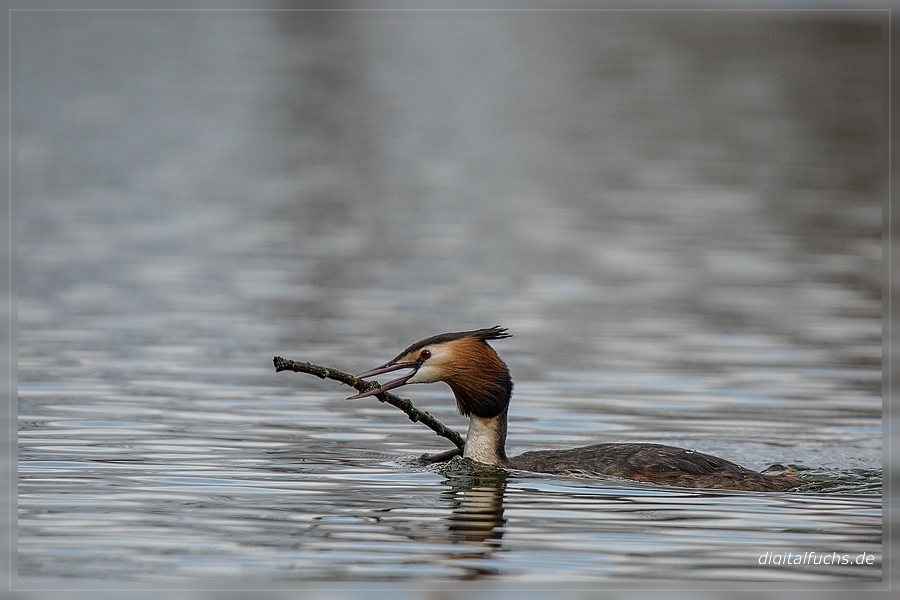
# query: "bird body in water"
[[482, 385]]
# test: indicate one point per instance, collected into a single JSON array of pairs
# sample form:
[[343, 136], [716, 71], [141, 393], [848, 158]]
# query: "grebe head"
[[464, 360]]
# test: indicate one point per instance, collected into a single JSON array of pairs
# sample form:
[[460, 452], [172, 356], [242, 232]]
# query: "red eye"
[[425, 355]]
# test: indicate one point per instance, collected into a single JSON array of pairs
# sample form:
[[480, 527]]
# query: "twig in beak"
[[366, 389]]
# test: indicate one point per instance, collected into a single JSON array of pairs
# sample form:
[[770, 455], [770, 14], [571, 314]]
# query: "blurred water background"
[[677, 215]]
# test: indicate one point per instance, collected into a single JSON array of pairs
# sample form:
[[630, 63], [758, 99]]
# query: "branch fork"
[[361, 385]]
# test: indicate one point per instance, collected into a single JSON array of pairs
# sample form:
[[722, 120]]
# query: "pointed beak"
[[387, 368]]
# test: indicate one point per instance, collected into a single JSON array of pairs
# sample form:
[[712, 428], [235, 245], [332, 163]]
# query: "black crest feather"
[[490, 333]]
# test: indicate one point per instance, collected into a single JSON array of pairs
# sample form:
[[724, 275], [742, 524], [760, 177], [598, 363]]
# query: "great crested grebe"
[[482, 385]]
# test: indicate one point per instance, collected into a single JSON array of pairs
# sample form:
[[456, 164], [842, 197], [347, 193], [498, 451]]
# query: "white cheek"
[[425, 374]]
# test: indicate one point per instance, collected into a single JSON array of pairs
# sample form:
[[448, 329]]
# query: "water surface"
[[678, 217]]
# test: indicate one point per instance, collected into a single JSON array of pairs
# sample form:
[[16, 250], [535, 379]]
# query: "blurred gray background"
[[677, 214]]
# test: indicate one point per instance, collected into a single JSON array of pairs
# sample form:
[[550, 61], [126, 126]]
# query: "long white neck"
[[486, 441]]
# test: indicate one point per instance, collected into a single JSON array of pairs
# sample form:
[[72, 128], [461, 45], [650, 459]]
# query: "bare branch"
[[361, 385]]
